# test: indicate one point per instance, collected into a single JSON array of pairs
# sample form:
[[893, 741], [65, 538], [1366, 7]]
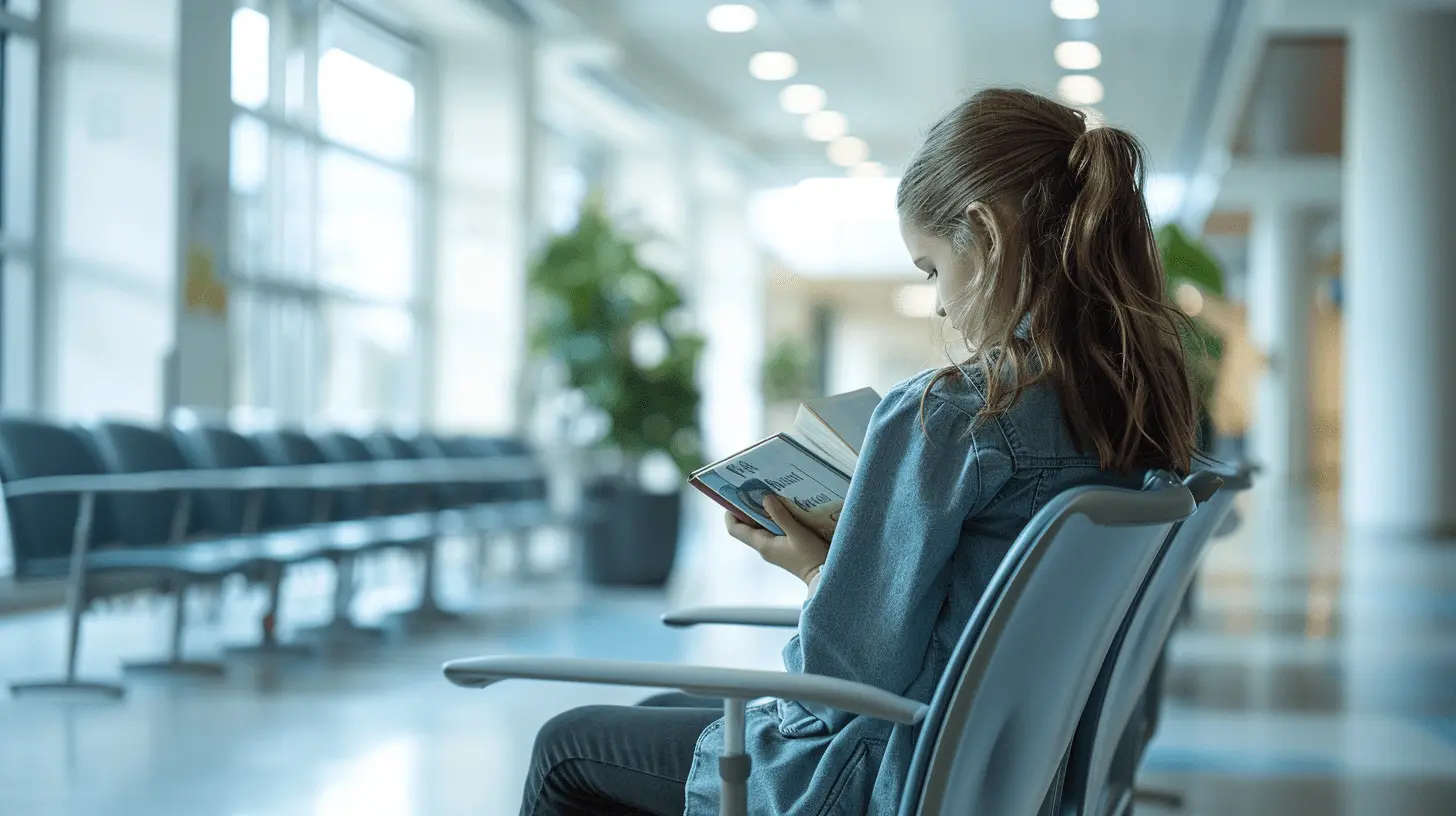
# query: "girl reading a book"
[[1032, 226]]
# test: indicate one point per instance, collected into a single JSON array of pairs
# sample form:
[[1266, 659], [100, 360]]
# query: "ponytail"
[[1128, 390]]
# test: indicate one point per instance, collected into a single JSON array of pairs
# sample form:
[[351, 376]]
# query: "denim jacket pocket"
[[855, 783]]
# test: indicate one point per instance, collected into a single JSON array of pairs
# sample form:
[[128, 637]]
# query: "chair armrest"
[[782, 616], [708, 681]]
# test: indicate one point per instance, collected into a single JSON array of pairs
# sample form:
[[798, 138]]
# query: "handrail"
[[325, 476]]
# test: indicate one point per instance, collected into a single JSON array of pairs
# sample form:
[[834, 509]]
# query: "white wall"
[[728, 298], [881, 349]]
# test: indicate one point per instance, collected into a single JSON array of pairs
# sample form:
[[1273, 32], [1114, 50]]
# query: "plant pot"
[[632, 537]]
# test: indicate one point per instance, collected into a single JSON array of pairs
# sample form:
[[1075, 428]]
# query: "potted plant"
[[620, 332], [1185, 261]]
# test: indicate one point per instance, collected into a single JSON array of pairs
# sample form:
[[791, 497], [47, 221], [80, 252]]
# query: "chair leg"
[[523, 535], [482, 557], [340, 630], [268, 645], [76, 599], [174, 664], [735, 763], [428, 612]]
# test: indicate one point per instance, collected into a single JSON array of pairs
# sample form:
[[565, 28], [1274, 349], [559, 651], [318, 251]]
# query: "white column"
[[200, 365], [481, 242], [1399, 454], [1278, 297]]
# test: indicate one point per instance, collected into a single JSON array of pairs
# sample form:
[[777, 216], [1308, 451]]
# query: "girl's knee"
[[562, 735]]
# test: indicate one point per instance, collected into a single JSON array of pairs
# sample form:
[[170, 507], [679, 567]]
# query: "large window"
[[327, 175]]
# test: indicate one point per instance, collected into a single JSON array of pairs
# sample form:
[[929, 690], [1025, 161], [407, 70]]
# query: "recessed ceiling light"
[[847, 151], [1080, 89], [867, 169], [1075, 9], [772, 65], [1077, 55], [802, 99], [825, 126], [732, 18]]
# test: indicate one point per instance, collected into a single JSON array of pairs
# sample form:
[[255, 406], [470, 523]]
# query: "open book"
[[808, 466]]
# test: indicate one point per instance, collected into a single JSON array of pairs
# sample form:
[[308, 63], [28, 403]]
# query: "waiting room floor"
[[1319, 677]]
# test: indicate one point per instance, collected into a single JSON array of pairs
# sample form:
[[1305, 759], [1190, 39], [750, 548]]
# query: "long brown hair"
[[1082, 270]]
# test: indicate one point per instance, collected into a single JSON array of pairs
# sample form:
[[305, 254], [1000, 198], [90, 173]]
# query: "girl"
[[1034, 230]]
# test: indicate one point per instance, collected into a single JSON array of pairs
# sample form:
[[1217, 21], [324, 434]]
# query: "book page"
[[836, 426], [811, 432], [847, 415], [813, 490]]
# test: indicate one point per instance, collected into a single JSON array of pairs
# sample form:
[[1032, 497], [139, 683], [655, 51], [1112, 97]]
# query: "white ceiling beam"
[[1312, 181], [1240, 74]]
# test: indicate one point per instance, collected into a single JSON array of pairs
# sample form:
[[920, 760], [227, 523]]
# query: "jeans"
[[617, 760]]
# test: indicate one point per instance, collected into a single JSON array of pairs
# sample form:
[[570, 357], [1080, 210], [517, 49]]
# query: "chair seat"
[[200, 560], [388, 531], [279, 547], [512, 513]]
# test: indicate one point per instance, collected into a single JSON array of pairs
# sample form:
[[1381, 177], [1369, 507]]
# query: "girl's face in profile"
[[950, 271]]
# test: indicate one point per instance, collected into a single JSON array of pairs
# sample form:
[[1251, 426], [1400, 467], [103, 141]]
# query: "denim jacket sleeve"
[[887, 574]]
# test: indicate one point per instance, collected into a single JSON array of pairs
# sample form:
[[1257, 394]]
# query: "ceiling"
[[892, 66]]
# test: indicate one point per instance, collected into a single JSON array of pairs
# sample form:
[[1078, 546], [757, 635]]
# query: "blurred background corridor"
[[627, 237]]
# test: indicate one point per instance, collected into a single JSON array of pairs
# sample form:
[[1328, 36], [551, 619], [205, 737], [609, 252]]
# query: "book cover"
[[813, 489]]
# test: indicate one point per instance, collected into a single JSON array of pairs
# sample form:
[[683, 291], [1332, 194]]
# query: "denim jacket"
[[928, 519]]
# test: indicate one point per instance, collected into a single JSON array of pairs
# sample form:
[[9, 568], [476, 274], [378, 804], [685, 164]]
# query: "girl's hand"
[[800, 551]]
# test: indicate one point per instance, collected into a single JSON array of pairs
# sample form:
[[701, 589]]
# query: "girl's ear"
[[984, 223]]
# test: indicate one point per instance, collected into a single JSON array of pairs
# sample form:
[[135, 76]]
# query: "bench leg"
[[71, 682], [340, 630], [429, 612], [76, 600], [174, 664], [522, 537], [269, 645]]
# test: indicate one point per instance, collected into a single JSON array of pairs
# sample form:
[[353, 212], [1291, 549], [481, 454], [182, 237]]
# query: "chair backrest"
[[284, 448], [1125, 674], [344, 448], [528, 488], [386, 446], [42, 528], [481, 448], [143, 519], [214, 447], [451, 494], [1016, 684]]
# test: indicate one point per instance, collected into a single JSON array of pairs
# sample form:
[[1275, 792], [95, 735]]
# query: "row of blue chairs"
[[1049, 699], [117, 507]]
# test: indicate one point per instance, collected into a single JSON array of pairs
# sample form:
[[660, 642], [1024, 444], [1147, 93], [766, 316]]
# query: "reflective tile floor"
[[1317, 677]]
